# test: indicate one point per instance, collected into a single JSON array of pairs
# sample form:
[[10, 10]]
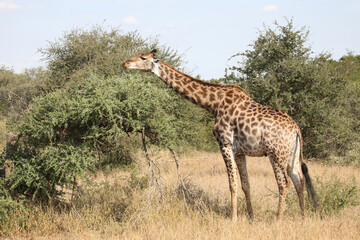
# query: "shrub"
[[336, 194], [7, 206], [333, 195], [44, 175]]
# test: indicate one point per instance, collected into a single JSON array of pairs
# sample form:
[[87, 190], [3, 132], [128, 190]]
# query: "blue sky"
[[207, 32]]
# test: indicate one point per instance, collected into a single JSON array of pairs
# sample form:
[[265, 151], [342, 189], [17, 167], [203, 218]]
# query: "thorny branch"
[[183, 188], [154, 178]]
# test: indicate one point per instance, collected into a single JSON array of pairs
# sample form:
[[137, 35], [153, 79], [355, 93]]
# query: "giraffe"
[[242, 128]]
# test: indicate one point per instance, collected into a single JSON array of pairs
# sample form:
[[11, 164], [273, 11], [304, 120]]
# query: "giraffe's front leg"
[[241, 164], [227, 153]]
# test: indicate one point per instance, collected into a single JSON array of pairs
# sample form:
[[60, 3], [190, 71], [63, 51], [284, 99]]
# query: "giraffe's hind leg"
[[241, 164], [299, 184], [279, 168], [294, 171]]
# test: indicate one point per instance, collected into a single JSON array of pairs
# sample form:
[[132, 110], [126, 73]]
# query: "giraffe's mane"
[[205, 83]]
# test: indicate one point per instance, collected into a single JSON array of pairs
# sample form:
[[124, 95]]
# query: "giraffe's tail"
[[306, 174], [309, 185]]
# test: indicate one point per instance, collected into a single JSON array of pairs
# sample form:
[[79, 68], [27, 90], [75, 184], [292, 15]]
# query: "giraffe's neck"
[[203, 94]]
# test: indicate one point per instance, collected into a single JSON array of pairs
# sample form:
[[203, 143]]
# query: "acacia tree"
[[94, 111], [280, 71], [81, 52]]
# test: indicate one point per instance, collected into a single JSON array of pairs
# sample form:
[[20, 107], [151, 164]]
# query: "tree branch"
[[156, 178]]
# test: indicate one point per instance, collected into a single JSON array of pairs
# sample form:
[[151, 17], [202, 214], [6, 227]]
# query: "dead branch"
[[183, 188], [154, 178]]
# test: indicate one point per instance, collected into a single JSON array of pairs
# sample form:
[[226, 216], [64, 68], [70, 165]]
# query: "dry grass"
[[103, 217]]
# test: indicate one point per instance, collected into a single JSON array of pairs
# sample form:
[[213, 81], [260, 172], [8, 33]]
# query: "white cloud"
[[11, 6], [130, 20], [270, 8], [169, 25]]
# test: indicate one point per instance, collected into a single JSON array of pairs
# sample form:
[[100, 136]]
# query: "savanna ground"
[[117, 204]]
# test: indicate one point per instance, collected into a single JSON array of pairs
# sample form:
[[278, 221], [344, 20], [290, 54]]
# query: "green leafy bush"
[[43, 175], [7, 205], [333, 196], [100, 113], [337, 194]]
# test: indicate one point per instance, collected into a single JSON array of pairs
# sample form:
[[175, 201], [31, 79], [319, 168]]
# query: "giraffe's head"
[[145, 62]]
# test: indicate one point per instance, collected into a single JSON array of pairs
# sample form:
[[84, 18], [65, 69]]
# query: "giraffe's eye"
[[142, 58]]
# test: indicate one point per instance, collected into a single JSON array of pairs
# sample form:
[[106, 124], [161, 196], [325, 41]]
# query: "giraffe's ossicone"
[[242, 128]]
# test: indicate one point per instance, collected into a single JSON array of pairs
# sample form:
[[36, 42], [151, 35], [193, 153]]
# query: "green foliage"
[[151, 106], [96, 117], [280, 72], [347, 111], [333, 195], [337, 194], [7, 205], [18, 90], [100, 112], [43, 174], [80, 53]]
